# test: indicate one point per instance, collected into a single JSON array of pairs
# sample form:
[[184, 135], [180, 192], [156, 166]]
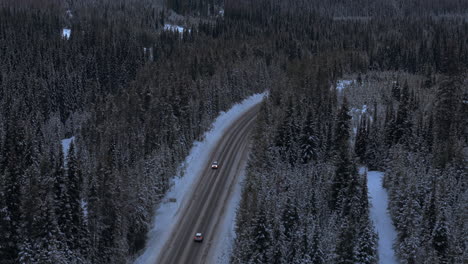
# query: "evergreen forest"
[[135, 95]]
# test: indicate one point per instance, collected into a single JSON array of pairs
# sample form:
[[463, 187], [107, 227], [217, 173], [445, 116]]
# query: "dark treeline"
[[135, 97], [202, 8]]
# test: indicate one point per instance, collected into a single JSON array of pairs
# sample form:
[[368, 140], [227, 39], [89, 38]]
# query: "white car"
[[214, 165], [198, 237]]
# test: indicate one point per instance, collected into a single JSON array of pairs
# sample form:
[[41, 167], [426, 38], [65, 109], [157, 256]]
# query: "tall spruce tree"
[[76, 232], [309, 141], [360, 146], [16, 160], [403, 122], [345, 168]]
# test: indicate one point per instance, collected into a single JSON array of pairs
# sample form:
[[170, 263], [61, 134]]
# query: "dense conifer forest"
[[135, 96]]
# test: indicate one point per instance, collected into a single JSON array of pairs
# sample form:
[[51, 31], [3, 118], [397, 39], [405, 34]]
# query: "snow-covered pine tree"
[[448, 117], [389, 126], [16, 160], [62, 199], [375, 147], [345, 168], [365, 251], [261, 238], [345, 243], [76, 232], [441, 239], [403, 122], [360, 146], [309, 140]]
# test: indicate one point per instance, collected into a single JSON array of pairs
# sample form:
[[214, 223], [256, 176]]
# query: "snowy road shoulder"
[[167, 213], [383, 224]]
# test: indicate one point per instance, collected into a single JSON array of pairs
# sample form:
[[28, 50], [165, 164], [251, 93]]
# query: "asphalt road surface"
[[203, 212]]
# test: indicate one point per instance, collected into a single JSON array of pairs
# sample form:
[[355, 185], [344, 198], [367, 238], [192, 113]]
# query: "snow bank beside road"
[[383, 223], [167, 213]]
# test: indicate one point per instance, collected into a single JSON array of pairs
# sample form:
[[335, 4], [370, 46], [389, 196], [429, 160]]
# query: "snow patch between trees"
[[341, 84], [358, 111], [176, 28], [66, 32], [167, 213], [66, 146], [383, 224]]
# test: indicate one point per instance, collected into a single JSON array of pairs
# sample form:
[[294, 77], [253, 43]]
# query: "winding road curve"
[[203, 212]]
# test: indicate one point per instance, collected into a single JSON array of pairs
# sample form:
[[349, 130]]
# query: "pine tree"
[[94, 219], [446, 117], [441, 239], [366, 246], [62, 198], [77, 231], [365, 251], [16, 160], [43, 241], [262, 239], [345, 244], [374, 150], [345, 168], [317, 253], [403, 123], [49, 246], [342, 127], [287, 138], [396, 90], [389, 126], [309, 141], [8, 250], [360, 146]]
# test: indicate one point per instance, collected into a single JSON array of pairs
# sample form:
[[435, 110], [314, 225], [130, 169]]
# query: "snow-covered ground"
[[379, 215], [358, 111], [66, 32], [342, 84], [84, 207], [66, 146], [149, 53], [167, 213], [174, 28]]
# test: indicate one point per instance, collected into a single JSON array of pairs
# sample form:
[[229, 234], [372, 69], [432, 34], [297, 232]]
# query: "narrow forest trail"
[[383, 224]]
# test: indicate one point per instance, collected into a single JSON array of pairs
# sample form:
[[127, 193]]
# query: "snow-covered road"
[[168, 215]]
